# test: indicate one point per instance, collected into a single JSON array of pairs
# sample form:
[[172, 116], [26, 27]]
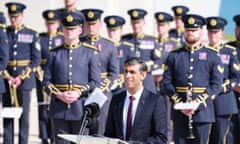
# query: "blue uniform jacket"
[[24, 53], [200, 68], [107, 53], [69, 67], [144, 46], [225, 102], [4, 55]]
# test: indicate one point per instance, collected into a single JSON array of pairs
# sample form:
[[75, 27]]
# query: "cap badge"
[[161, 17], [112, 21], [13, 7], [135, 14], [179, 10], [213, 22], [90, 14], [69, 18], [191, 20], [50, 15]]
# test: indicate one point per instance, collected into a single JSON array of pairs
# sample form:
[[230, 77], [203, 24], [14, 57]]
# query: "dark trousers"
[[223, 130], [61, 126], [201, 132], [8, 123]]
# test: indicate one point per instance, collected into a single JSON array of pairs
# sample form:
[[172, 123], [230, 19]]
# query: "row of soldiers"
[[75, 66]]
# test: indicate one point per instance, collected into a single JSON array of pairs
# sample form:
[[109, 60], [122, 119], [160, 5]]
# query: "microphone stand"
[[83, 127]]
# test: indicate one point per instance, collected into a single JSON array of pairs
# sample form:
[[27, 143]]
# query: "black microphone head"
[[92, 110]]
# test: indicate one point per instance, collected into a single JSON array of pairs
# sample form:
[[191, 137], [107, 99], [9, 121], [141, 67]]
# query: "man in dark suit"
[[137, 115]]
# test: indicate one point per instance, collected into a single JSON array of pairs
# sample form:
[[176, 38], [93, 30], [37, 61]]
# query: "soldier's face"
[[237, 33], [215, 37], [179, 23], [163, 29], [52, 27], [115, 34], [193, 36], [72, 34], [137, 26], [16, 20], [93, 28], [133, 77]]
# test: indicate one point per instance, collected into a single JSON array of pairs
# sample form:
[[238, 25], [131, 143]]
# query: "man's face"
[[93, 28], [52, 27], [71, 34], [137, 26], [163, 29], [193, 36], [237, 33], [215, 37], [115, 34], [16, 20], [179, 23], [133, 77]]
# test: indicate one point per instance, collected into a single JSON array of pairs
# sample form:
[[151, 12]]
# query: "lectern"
[[86, 139]]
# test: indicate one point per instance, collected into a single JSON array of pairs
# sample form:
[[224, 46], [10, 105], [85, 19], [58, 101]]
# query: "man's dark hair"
[[136, 61]]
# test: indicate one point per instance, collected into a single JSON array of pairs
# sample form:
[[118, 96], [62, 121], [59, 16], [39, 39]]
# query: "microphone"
[[92, 110]]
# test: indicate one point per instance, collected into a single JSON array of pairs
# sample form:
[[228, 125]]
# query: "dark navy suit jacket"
[[150, 124]]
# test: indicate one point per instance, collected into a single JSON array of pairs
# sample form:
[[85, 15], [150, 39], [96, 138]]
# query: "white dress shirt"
[[137, 96]]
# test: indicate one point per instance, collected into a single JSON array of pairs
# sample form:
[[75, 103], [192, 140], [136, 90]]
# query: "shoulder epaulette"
[[3, 25], [90, 46], [128, 43], [54, 48], [173, 39], [176, 49], [60, 33], [229, 46], [31, 29], [108, 39], [150, 35], [211, 48]]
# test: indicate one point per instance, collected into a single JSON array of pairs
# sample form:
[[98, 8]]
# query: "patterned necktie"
[[129, 118]]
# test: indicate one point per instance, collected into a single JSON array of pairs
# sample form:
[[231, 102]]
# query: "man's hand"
[[68, 96], [17, 81]]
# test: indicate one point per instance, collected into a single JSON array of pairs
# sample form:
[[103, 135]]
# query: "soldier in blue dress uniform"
[[48, 40], [194, 73], [225, 103], [108, 58], [236, 44], [4, 53], [177, 32], [144, 44], [71, 70], [24, 57], [114, 24], [166, 45]]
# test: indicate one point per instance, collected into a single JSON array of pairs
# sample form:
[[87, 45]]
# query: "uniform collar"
[[138, 36], [18, 28], [193, 48], [93, 38], [72, 46], [52, 34], [217, 46], [180, 30], [162, 39]]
